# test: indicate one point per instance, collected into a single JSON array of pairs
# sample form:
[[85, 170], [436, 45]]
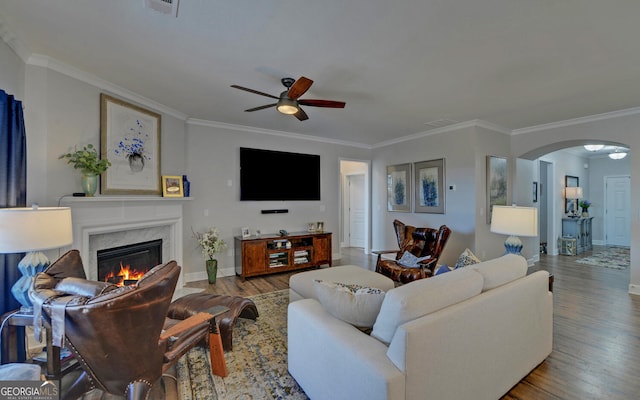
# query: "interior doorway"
[[617, 210], [355, 213], [545, 215]]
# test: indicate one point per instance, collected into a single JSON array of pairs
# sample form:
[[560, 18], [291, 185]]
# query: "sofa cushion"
[[501, 270], [355, 304], [422, 297], [466, 258]]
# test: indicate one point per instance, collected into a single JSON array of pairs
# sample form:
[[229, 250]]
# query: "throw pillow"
[[466, 258], [442, 269], [354, 304], [411, 261]]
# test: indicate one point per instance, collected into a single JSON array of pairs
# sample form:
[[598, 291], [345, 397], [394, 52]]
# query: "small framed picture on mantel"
[[172, 186]]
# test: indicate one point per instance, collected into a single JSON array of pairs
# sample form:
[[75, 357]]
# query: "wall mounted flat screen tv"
[[278, 175]]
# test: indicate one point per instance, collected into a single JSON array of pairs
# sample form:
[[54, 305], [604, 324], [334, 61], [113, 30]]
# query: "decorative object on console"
[[429, 186], [585, 204], [398, 187], [320, 226], [87, 161], [31, 230], [497, 178], [211, 245], [172, 186], [130, 139], [514, 221], [573, 193]]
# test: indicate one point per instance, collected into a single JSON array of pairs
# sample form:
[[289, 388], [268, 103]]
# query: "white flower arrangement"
[[211, 243]]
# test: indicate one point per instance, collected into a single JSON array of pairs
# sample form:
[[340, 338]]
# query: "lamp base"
[[33, 263], [513, 245]]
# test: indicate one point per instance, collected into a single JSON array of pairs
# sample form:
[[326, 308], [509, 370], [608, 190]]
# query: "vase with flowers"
[[585, 204], [90, 165], [211, 244]]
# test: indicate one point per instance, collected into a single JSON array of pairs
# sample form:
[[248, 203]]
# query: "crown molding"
[[578, 121], [13, 42], [251, 129], [444, 129], [65, 69]]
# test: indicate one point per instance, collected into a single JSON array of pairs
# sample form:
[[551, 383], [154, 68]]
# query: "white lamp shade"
[[33, 229], [573, 192], [515, 221]]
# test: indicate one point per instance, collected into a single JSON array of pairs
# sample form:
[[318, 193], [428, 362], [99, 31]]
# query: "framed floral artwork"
[[496, 183], [429, 186], [130, 139], [398, 187]]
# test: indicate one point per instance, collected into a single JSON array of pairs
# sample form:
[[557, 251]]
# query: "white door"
[[617, 211], [356, 210]]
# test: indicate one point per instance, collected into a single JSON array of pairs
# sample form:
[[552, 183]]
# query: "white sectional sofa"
[[472, 333]]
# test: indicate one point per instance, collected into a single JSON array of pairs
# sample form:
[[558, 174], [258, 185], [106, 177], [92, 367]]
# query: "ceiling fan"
[[289, 101]]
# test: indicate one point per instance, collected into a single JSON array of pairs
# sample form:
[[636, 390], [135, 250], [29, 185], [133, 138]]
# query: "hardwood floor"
[[596, 338]]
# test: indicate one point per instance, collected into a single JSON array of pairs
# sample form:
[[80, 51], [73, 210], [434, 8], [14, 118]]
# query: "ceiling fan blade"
[[301, 115], [322, 103], [261, 107], [254, 91], [299, 87]]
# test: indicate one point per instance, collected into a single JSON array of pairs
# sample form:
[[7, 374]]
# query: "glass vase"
[[212, 270]]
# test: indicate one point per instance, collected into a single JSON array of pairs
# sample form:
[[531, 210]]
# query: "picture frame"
[[430, 196], [570, 181], [399, 187], [319, 226], [245, 232], [172, 186], [497, 180], [535, 192], [130, 140], [311, 227]]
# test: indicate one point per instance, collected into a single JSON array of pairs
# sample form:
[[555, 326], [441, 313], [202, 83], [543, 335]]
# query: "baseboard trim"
[[634, 289]]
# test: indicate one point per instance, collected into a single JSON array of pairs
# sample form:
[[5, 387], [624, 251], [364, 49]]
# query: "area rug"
[[257, 365], [611, 257]]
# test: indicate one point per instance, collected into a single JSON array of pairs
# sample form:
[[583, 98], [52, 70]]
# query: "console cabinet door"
[[254, 257], [322, 249]]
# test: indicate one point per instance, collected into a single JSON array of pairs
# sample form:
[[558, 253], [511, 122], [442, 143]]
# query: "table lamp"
[[31, 230], [573, 193], [514, 221]]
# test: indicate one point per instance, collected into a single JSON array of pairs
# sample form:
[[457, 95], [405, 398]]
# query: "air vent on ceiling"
[[439, 123], [169, 7]]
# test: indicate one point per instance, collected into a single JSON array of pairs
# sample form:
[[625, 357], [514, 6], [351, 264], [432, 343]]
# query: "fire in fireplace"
[[125, 265]]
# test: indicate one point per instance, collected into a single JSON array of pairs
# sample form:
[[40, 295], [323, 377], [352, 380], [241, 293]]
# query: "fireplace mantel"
[[111, 214]]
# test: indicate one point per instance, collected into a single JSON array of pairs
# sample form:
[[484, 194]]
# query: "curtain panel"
[[13, 189]]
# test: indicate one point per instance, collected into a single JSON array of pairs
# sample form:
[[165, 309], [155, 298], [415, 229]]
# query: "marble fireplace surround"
[[109, 221]]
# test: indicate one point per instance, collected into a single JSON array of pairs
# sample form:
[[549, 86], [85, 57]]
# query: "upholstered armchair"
[[119, 335], [423, 243]]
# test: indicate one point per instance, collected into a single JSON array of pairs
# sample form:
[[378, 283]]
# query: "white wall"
[[11, 72], [213, 166]]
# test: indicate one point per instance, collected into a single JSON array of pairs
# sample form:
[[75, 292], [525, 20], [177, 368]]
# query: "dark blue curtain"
[[13, 187]]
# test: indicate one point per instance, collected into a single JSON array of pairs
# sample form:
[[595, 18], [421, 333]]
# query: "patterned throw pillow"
[[466, 258], [411, 261], [355, 304]]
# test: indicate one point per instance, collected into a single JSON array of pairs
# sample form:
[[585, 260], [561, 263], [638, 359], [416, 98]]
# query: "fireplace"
[[124, 265]]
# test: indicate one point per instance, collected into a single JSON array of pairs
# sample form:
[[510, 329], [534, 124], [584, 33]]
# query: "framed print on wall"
[[172, 186], [130, 139], [398, 187], [429, 186], [496, 183]]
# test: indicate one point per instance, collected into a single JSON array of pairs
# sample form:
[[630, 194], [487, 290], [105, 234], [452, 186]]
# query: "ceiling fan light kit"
[[288, 102]]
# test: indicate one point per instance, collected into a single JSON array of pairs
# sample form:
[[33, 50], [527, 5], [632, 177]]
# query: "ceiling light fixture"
[[286, 105], [593, 147], [618, 154]]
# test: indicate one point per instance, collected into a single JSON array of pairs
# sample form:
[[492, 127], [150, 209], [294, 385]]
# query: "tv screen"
[[278, 175]]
